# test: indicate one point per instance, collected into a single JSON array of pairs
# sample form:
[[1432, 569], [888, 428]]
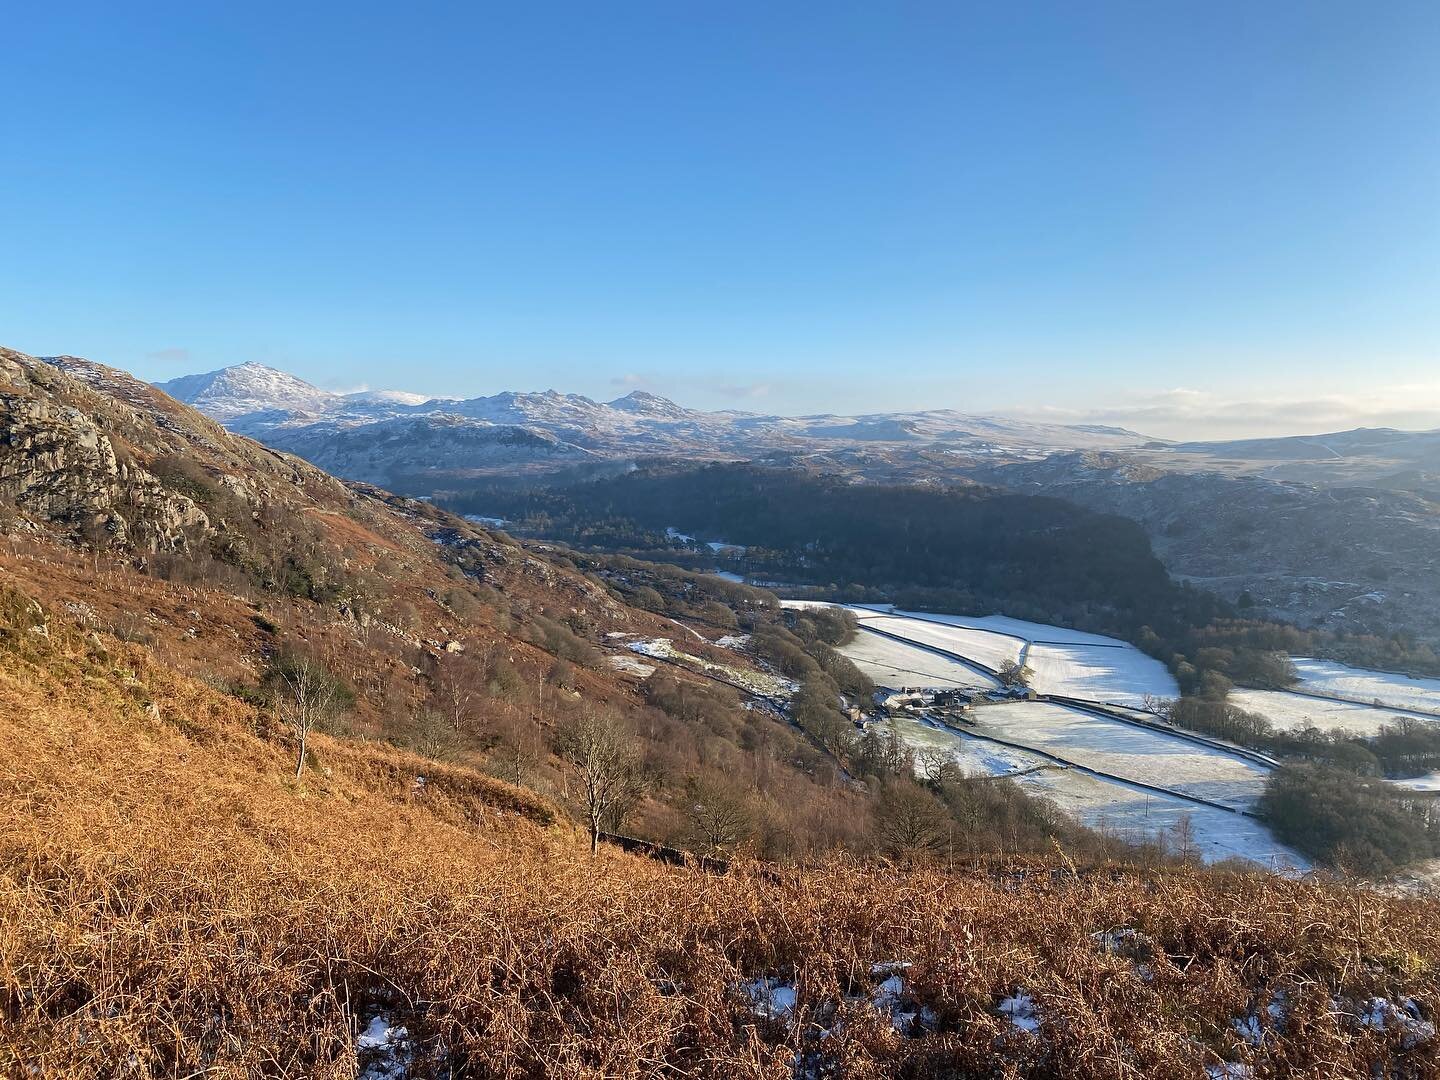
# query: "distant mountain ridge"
[[455, 438]]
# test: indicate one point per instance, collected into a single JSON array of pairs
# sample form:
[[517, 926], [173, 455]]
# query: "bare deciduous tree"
[[518, 752], [310, 700], [719, 817], [458, 683], [937, 766], [911, 823], [604, 753]]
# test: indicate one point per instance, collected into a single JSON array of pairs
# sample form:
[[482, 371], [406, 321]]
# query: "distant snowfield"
[[1133, 753], [1295, 712], [1066, 662], [895, 664], [1084, 666], [985, 646], [1358, 684], [1107, 805]]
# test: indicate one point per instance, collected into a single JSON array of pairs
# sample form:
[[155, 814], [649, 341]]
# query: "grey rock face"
[[61, 471]]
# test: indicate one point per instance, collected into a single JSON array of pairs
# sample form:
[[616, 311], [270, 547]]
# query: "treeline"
[[1330, 800], [919, 547], [1407, 747], [1358, 825], [966, 549]]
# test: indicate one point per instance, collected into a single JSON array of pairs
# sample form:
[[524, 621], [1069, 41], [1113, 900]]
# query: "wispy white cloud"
[[1186, 413]]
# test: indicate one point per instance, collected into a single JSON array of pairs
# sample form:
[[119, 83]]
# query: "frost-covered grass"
[[1358, 684], [998, 624], [895, 664], [1125, 676], [1129, 752], [976, 757], [985, 646], [1428, 782], [1295, 712], [1136, 815], [1065, 662], [1133, 753]]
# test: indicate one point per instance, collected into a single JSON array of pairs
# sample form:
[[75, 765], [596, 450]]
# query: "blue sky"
[[1190, 217]]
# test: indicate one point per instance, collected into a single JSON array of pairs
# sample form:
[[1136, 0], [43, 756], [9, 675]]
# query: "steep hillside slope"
[[173, 902], [182, 894], [134, 515]]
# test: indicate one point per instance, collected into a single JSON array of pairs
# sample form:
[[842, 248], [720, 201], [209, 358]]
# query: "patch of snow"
[[631, 666], [733, 641], [1428, 782], [492, 522], [1380, 1014], [888, 993], [770, 999], [384, 1050], [1020, 1011]]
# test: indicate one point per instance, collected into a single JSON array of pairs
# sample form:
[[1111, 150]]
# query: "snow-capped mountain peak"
[[241, 389], [648, 404]]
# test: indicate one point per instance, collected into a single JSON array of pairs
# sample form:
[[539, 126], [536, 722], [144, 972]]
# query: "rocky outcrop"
[[62, 472]]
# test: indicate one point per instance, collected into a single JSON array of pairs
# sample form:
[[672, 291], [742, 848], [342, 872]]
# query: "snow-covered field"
[[1080, 665], [999, 624], [1104, 804], [895, 664], [1295, 712], [1135, 814], [1065, 662], [985, 646], [1125, 676], [1358, 684], [1130, 752], [976, 757], [1428, 782]]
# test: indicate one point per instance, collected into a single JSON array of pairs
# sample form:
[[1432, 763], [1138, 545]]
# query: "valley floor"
[[1147, 774]]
